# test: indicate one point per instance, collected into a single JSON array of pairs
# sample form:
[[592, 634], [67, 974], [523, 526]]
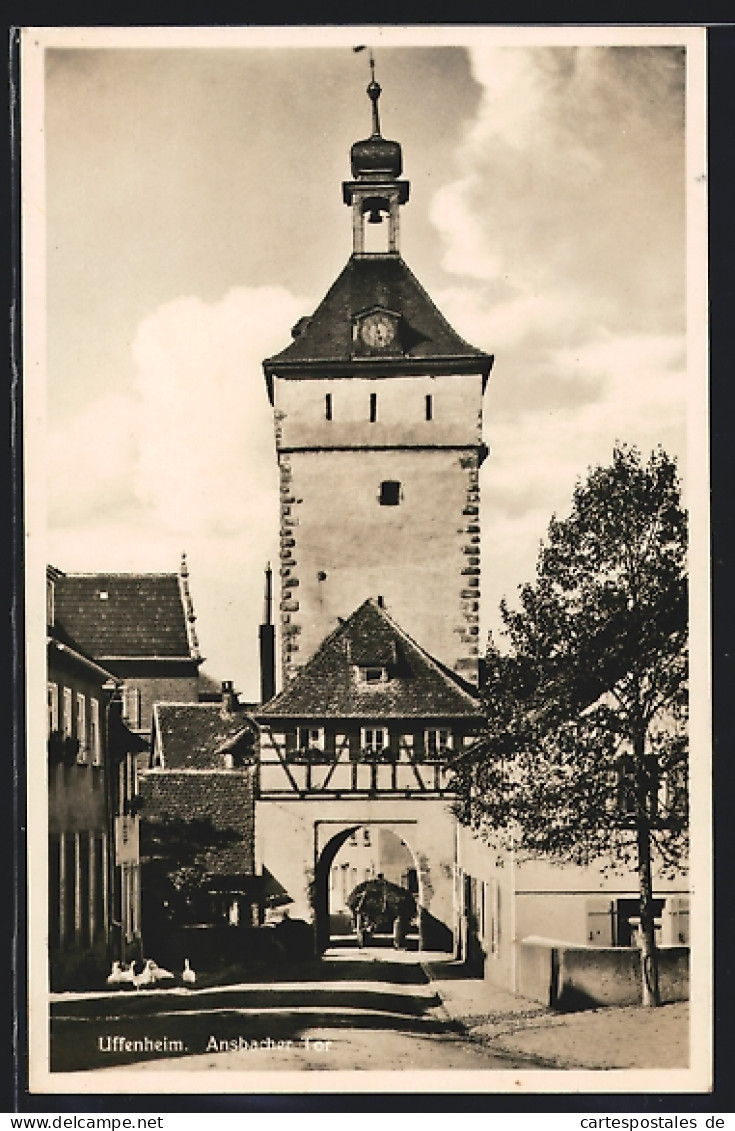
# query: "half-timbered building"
[[363, 736]]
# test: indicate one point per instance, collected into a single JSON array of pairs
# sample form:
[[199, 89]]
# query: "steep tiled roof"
[[122, 615], [328, 685], [376, 281], [195, 736]]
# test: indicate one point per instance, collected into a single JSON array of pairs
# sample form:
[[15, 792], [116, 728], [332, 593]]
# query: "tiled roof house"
[[202, 782], [371, 710], [139, 626]]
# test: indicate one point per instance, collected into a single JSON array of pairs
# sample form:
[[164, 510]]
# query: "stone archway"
[[298, 839], [323, 868]]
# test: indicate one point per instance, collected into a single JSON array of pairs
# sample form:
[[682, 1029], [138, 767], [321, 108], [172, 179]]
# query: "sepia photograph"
[[366, 486]]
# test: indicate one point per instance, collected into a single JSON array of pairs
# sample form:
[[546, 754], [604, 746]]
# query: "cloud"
[[185, 461], [90, 462], [207, 458], [191, 445], [538, 455], [564, 235], [573, 180]]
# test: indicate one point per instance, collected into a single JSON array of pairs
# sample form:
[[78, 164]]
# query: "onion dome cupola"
[[375, 192]]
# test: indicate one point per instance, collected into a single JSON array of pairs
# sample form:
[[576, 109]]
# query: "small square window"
[[390, 493], [374, 675]]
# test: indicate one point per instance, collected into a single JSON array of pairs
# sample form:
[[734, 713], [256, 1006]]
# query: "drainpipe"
[[113, 926]]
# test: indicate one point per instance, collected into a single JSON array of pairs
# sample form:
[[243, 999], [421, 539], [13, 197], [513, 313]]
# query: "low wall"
[[569, 976]]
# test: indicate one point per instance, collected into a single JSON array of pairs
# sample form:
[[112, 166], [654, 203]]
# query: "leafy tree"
[[177, 857], [584, 754]]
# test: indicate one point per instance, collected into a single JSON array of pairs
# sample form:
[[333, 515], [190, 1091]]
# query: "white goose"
[[188, 976], [127, 975], [146, 976], [159, 973], [115, 976]]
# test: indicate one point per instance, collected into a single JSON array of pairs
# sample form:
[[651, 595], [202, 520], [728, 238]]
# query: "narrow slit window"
[[390, 493], [328, 406], [429, 407], [373, 407]]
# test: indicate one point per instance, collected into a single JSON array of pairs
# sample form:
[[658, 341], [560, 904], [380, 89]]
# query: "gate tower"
[[378, 419]]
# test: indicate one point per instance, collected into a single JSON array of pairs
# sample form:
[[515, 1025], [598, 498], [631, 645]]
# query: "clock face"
[[377, 331]]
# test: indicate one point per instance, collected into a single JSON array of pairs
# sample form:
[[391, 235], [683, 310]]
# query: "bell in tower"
[[375, 192]]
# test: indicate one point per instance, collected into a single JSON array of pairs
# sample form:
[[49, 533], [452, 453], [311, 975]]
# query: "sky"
[[191, 212]]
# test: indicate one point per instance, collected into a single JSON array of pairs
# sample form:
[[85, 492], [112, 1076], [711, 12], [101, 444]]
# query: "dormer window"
[[373, 675]]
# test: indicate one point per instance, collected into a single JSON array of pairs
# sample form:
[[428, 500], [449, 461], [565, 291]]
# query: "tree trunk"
[[649, 955]]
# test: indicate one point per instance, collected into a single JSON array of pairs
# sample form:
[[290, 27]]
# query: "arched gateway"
[[363, 736], [378, 424]]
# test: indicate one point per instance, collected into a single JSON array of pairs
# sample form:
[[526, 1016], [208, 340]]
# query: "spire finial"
[[373, 91]]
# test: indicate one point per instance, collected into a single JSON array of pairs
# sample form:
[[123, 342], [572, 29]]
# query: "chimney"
[[267, 635], [381, 602], [229, 699]]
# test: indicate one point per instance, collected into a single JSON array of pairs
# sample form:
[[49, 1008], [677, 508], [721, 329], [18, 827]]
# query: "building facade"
[[117, 644], [378, 426], [93, 876], [359, 744]]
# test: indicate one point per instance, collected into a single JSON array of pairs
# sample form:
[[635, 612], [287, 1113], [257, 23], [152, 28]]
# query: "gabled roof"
[[328, 685], [122, 615], [385, 282], [196, 736]]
